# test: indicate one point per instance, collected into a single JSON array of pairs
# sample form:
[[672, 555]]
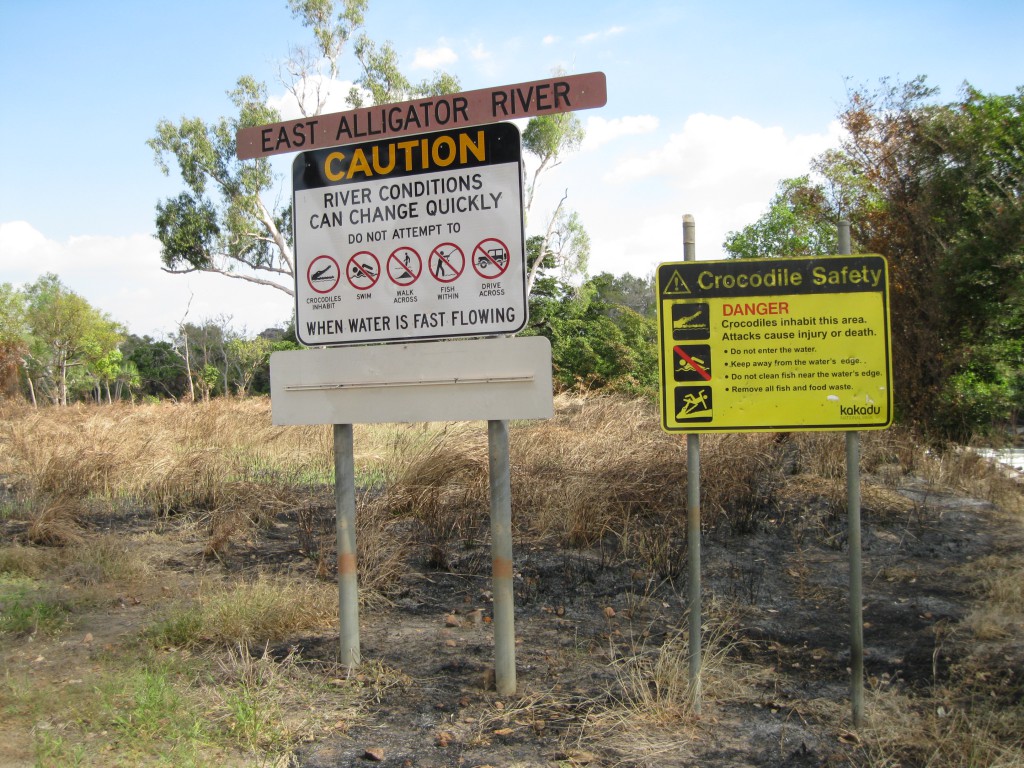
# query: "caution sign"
[[440, 215], [775, 344]]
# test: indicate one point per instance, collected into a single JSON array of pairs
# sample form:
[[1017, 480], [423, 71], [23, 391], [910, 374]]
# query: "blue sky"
[[710, 104]]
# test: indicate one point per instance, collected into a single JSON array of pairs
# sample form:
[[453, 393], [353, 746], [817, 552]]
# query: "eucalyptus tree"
[[67, 336], [228, 220], [937, 188], [14, 338]]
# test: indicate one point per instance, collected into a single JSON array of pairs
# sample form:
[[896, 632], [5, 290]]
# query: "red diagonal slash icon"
[[689, 361]]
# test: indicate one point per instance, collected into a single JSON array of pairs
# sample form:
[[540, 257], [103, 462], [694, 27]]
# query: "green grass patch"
[[25, 611], [258, 611], [51, 749], [181, 627]]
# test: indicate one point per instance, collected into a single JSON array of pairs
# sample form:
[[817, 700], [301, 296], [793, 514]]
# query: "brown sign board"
[[434, 113]]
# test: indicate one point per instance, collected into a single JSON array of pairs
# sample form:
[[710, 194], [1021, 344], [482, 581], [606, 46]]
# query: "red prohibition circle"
[[441, 261], [489, 254], [362, 267], [322, 274], [408, 267]]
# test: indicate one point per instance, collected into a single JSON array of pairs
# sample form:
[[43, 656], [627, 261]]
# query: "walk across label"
[[411, 238], [775, 344]]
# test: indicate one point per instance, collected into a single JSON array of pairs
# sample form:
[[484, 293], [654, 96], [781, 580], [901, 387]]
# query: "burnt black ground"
[[782, 587]]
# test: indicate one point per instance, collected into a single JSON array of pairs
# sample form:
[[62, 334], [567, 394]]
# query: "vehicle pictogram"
[[363, 270], [323, 274], [446, 262], [404, 266], [490, 258]]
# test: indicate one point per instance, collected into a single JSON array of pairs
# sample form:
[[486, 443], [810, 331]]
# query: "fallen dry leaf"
[[443, 739]]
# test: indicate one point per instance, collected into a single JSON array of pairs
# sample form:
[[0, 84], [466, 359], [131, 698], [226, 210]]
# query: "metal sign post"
[[501, 558], [779, 345], [693, 514], [853, 519], [345, 518]]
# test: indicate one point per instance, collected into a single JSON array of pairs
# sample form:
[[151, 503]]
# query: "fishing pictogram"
[[446, 262]]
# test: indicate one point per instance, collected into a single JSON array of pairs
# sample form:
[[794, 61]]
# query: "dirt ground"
[[784, 592], [589, 622]]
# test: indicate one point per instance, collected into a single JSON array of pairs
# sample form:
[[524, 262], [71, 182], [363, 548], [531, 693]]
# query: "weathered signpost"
[[799, 344], [408, 226]]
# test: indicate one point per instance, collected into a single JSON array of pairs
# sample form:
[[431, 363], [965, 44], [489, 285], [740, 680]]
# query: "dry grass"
[[54, 523], [601, 473], [264, 609], [934, 733], [999, 582], [166, 457], [653, 683]]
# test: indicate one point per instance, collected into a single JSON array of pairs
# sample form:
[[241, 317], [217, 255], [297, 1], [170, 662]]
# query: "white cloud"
[[550, 39], [721, 170], [602, 35], [480, 53], [333, 94], [601, 131], [713, 150], [435, 58], [121, 276]]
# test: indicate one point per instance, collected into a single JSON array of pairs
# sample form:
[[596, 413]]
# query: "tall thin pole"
[[693, 514], [856, 571], [501, 558], [345, 519]]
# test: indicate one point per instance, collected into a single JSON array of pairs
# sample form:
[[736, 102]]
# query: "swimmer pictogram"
[[363, 270]]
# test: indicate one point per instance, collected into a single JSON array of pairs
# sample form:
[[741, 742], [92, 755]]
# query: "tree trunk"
[[188, 373], [62, 384]]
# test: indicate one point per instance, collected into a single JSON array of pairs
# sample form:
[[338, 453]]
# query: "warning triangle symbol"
[[676, 286]]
